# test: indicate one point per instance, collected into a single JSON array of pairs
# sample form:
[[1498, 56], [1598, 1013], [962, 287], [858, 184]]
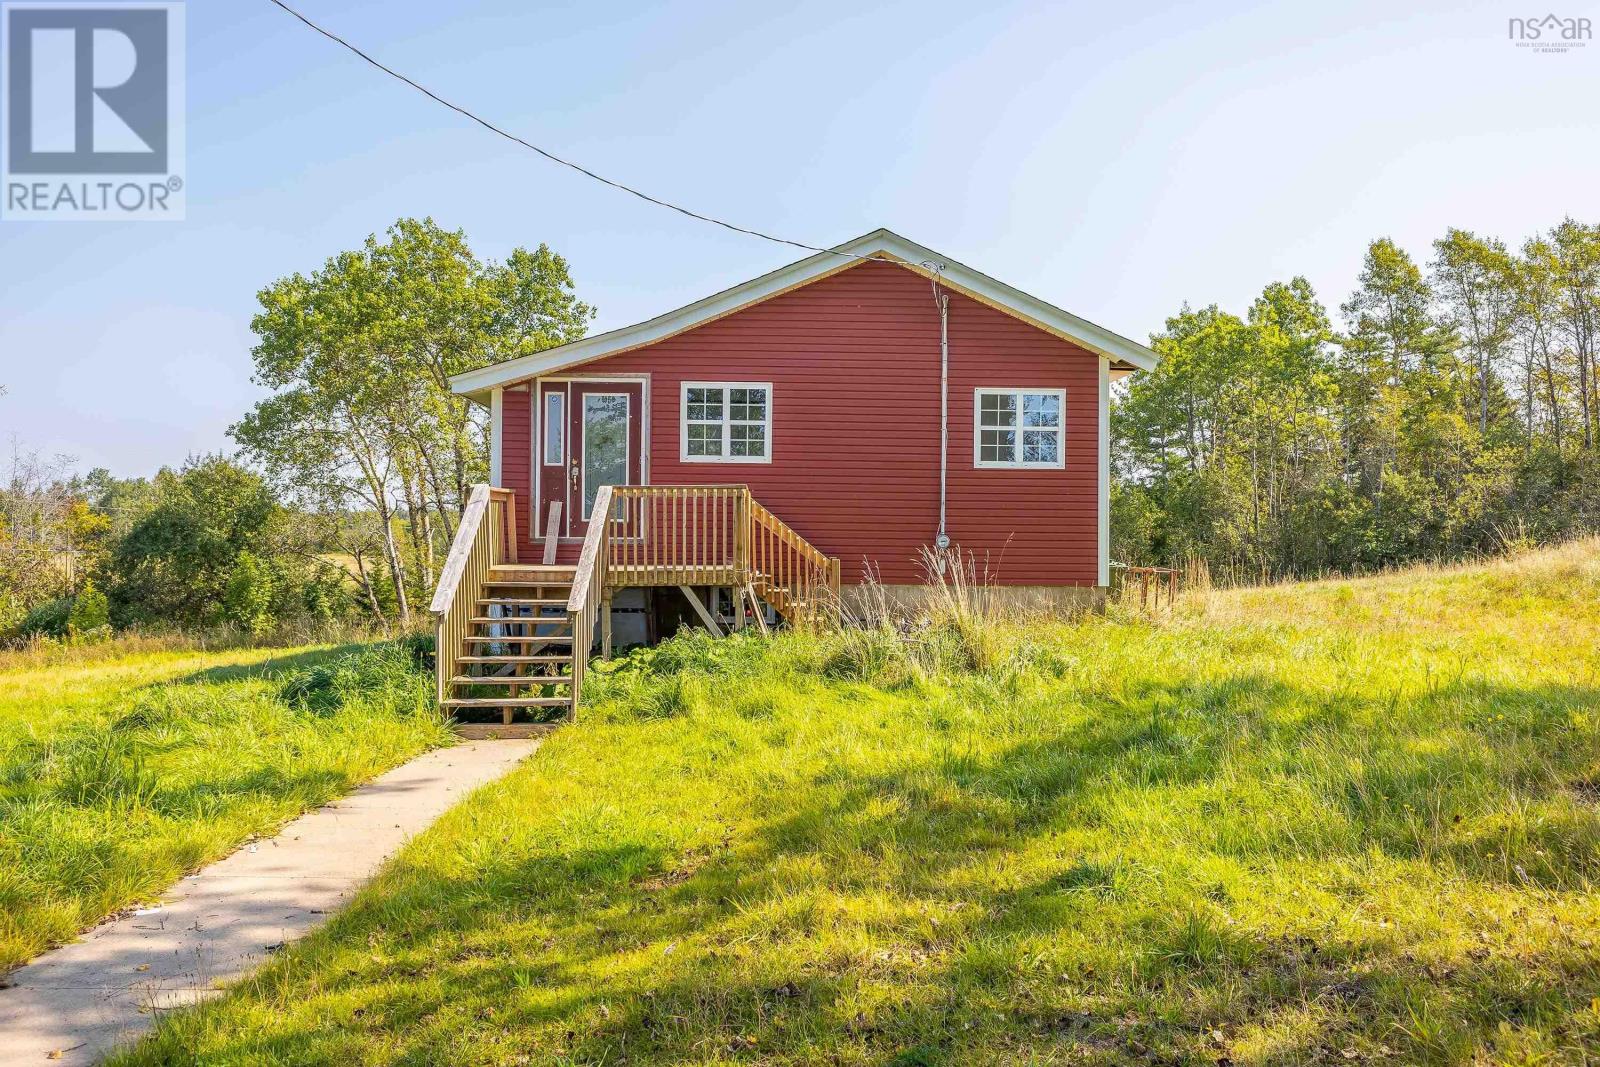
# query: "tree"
[[36, 534], [90, 611], [362, 421], [1391, 342], [1225, 447], [1476, 279], [1536, 326], [1458, 411], [1576, 268], [174, 563]]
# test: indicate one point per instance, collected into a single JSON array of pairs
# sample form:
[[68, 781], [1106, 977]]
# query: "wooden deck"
[[524, 631], [636, 576]]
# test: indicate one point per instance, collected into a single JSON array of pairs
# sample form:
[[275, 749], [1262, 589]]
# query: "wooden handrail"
[[588, 587], [455, 563], [787, 569], [486, 537]]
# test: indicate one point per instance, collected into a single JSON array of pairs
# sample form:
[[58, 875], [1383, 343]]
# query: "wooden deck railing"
[[679, 534], [716, 535], [1151, 579], [786, 570], [485, 538]]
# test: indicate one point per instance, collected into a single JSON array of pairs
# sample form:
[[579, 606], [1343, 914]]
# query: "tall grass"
[[1345, 822], [120, 772], [39, 649]]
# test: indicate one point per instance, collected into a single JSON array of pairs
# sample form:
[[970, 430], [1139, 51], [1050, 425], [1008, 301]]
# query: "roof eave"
[[879, 244]]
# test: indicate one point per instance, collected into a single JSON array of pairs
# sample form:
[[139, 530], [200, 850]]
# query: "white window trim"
[[560, 398], [1018, 463], [727, 422]]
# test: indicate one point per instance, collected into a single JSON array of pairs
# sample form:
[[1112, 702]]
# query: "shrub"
[[247, 600], [876, 655], [421, 647], [380, 671], [49, 619], [104, 770], [90, 612]]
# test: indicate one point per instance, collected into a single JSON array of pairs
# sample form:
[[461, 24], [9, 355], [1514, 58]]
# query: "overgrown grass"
[[135, 761], [1338, 823]]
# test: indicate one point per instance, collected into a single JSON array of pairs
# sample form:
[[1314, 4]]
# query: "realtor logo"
[[1550, 33], [93, 107]]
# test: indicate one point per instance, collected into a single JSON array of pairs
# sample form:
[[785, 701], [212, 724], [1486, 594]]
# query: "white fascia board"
[[998, 294], [496, 429], [1103, 508], [880, 244]]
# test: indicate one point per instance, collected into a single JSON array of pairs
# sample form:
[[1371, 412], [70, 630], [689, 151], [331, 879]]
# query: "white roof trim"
[[879, 244]]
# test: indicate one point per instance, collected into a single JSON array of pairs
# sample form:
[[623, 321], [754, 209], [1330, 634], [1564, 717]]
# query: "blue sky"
[[1115, 159]]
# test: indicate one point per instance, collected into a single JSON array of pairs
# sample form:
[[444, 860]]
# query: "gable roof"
[[879, 244]]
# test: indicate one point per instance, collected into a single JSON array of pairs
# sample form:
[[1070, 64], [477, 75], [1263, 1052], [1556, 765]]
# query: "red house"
[[869, 401]]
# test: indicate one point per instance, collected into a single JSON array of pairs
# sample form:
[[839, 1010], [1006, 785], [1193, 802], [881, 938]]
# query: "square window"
[[999, 446], [1019, 427], [998, 409], [704, 405], [749, 440], [727, 422]]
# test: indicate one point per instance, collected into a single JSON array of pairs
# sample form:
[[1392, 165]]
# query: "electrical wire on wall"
[[941, 301]]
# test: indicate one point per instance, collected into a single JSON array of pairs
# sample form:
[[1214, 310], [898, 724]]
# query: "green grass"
[[124, 766], [1342, 822]]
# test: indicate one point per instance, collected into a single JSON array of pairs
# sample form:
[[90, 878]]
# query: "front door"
[[606, 431]]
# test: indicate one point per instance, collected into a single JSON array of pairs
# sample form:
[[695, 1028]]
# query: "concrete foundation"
[[1024, 601]]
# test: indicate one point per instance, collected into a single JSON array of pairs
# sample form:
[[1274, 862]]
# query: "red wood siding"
[[854, 364], [516, 458]]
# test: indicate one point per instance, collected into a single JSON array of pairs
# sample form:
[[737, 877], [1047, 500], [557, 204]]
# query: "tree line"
[[1454, 410], [344, 495]]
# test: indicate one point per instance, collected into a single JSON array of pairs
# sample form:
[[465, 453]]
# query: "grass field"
[[126, 765], [1342, 822]]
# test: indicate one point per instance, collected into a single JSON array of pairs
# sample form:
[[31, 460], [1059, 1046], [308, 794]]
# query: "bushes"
[[91, 612], [389, 672], [47, 620], [247, 601], [84, 617], [672, 679]]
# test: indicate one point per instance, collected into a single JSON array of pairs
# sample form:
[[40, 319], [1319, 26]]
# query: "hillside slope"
[[125, 765], [1337, 822]]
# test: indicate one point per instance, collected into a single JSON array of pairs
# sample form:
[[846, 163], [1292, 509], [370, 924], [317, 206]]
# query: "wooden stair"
[[517, 651], [513, 635]]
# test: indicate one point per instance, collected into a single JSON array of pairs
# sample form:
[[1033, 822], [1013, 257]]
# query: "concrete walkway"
[[73, 1004]]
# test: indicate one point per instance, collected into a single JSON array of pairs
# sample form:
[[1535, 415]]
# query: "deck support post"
[[737, 597], [605, 628], [700, 609]]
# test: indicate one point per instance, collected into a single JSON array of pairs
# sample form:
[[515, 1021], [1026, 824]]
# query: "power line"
[[586, 172]]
